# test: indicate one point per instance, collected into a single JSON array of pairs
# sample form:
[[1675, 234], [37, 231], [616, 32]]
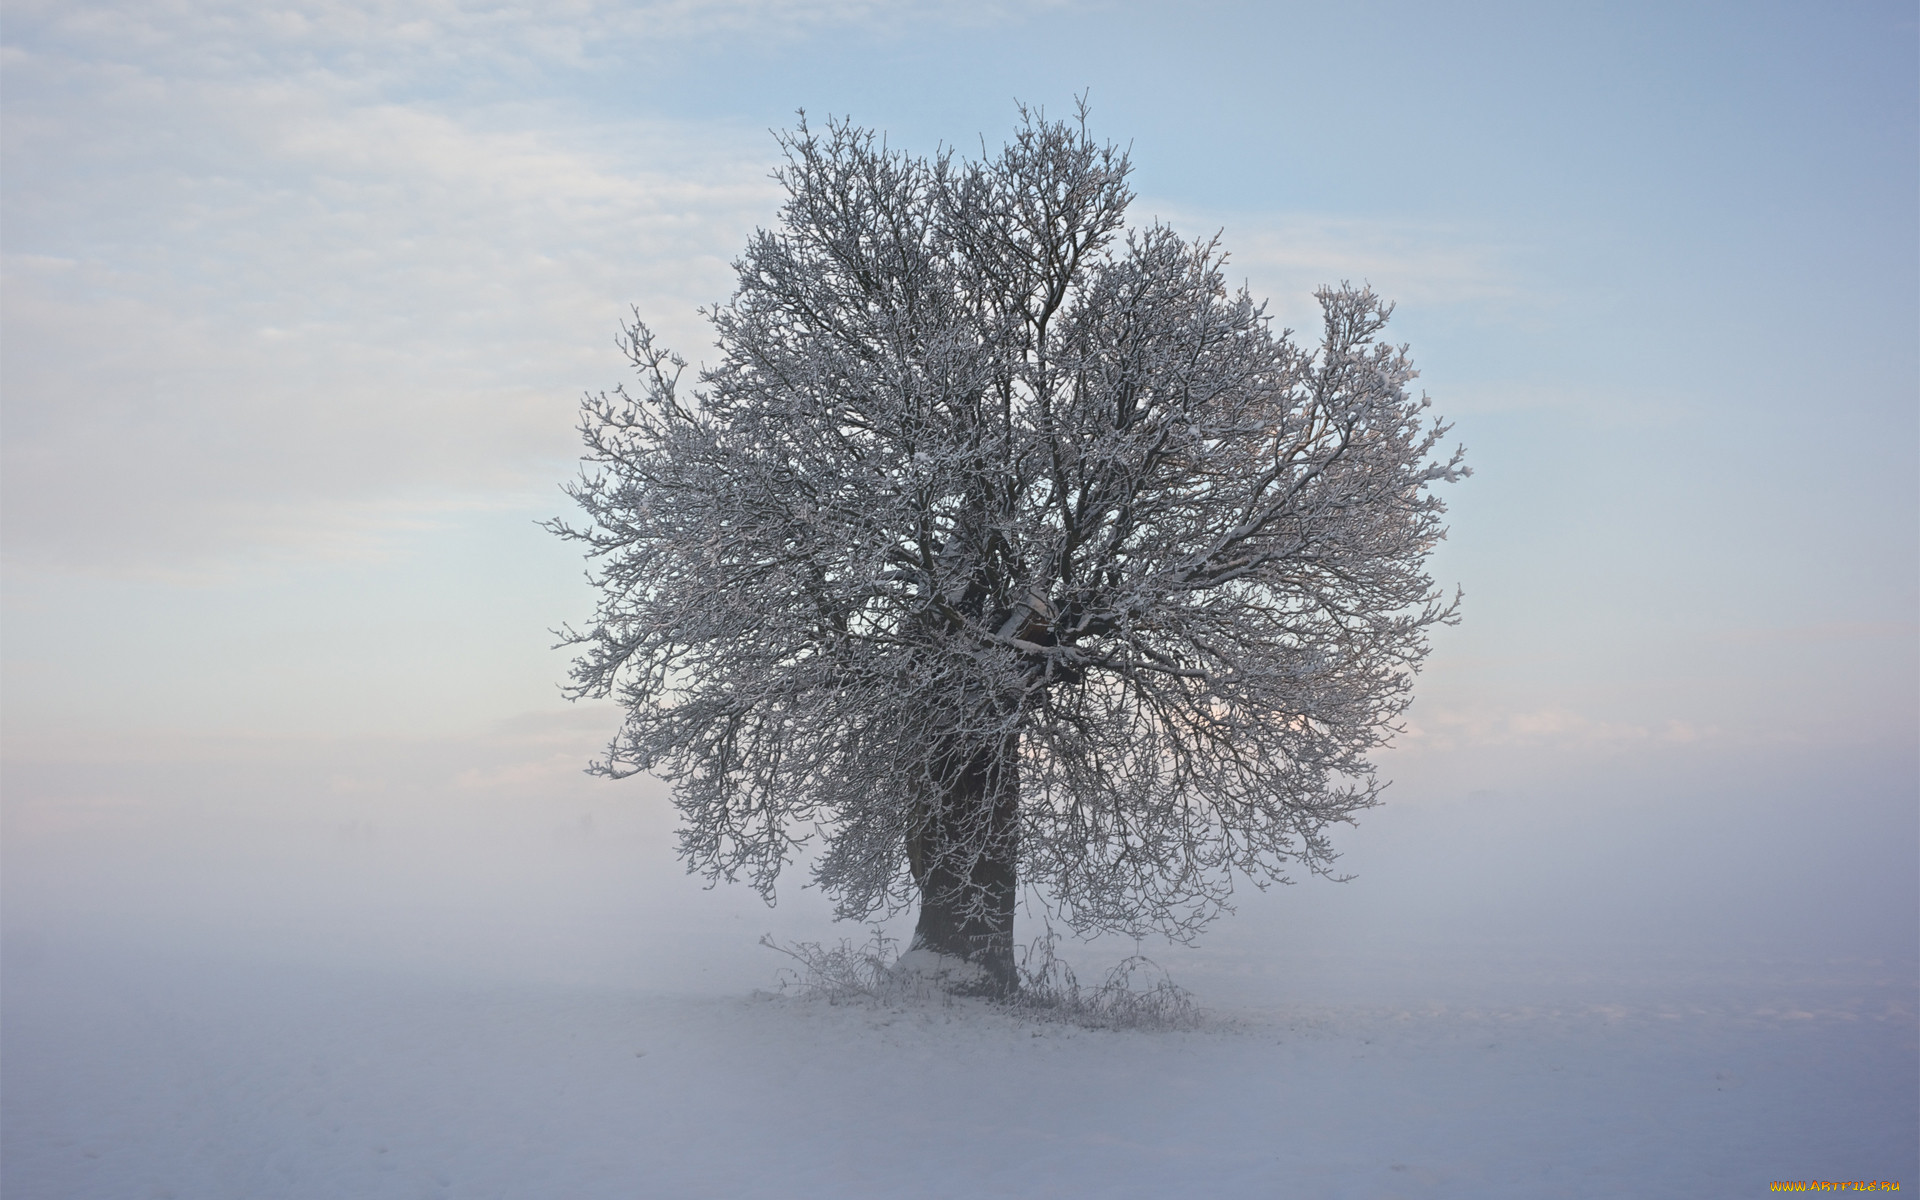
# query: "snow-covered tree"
[[1005, 546]]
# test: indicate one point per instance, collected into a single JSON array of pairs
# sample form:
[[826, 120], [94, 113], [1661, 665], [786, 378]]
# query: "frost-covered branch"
[[994, 506]]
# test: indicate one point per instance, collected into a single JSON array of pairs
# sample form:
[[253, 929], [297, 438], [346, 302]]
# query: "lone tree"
[[1004, 545]]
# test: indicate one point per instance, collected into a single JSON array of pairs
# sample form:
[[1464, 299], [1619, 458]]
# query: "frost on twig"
[[845, 972], [1137, 993]]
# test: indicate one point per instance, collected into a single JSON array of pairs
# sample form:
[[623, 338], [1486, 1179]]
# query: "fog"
[[496, 857]]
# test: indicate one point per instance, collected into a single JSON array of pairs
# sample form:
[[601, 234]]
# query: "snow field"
[[141, 1074]]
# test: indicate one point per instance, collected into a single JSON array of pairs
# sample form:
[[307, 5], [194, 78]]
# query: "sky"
[[298, 303]]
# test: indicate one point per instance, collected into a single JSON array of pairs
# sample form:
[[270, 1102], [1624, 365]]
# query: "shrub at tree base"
[[1136, 994]]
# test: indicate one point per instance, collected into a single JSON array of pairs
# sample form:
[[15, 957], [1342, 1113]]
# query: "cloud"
[[1441, 729], [257, 313], [380, 39], [1901, 633], [1286, 256]]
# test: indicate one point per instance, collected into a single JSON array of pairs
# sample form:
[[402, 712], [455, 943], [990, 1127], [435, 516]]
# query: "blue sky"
[[300, 300]]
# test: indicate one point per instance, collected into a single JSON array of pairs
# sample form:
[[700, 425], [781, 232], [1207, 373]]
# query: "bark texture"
[[963, 852]]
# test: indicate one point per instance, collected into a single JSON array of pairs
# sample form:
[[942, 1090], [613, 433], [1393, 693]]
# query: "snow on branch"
[[983, 471]]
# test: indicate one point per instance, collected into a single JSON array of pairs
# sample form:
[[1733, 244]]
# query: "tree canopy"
[[1005, 544]]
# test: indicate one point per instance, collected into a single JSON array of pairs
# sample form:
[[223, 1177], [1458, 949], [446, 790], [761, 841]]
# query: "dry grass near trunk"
[[847, 972], [1136, 994]]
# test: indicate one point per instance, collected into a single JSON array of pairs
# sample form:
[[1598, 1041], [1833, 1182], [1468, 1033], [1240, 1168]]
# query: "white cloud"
[[375, 39], [1554, 728], [255, 312], [1284, 257]]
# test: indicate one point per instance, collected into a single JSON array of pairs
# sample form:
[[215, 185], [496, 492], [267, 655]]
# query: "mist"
[[497, 857]]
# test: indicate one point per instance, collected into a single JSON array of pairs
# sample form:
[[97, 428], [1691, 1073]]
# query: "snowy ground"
[[513, 999], [134, 1075]]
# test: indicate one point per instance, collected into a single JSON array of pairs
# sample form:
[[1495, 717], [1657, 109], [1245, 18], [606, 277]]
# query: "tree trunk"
[[963, 857]]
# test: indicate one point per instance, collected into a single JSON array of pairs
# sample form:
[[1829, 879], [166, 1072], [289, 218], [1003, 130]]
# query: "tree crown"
[[983, 474]]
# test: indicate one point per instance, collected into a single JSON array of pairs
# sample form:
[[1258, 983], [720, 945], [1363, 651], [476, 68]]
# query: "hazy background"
[[299, 302]]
